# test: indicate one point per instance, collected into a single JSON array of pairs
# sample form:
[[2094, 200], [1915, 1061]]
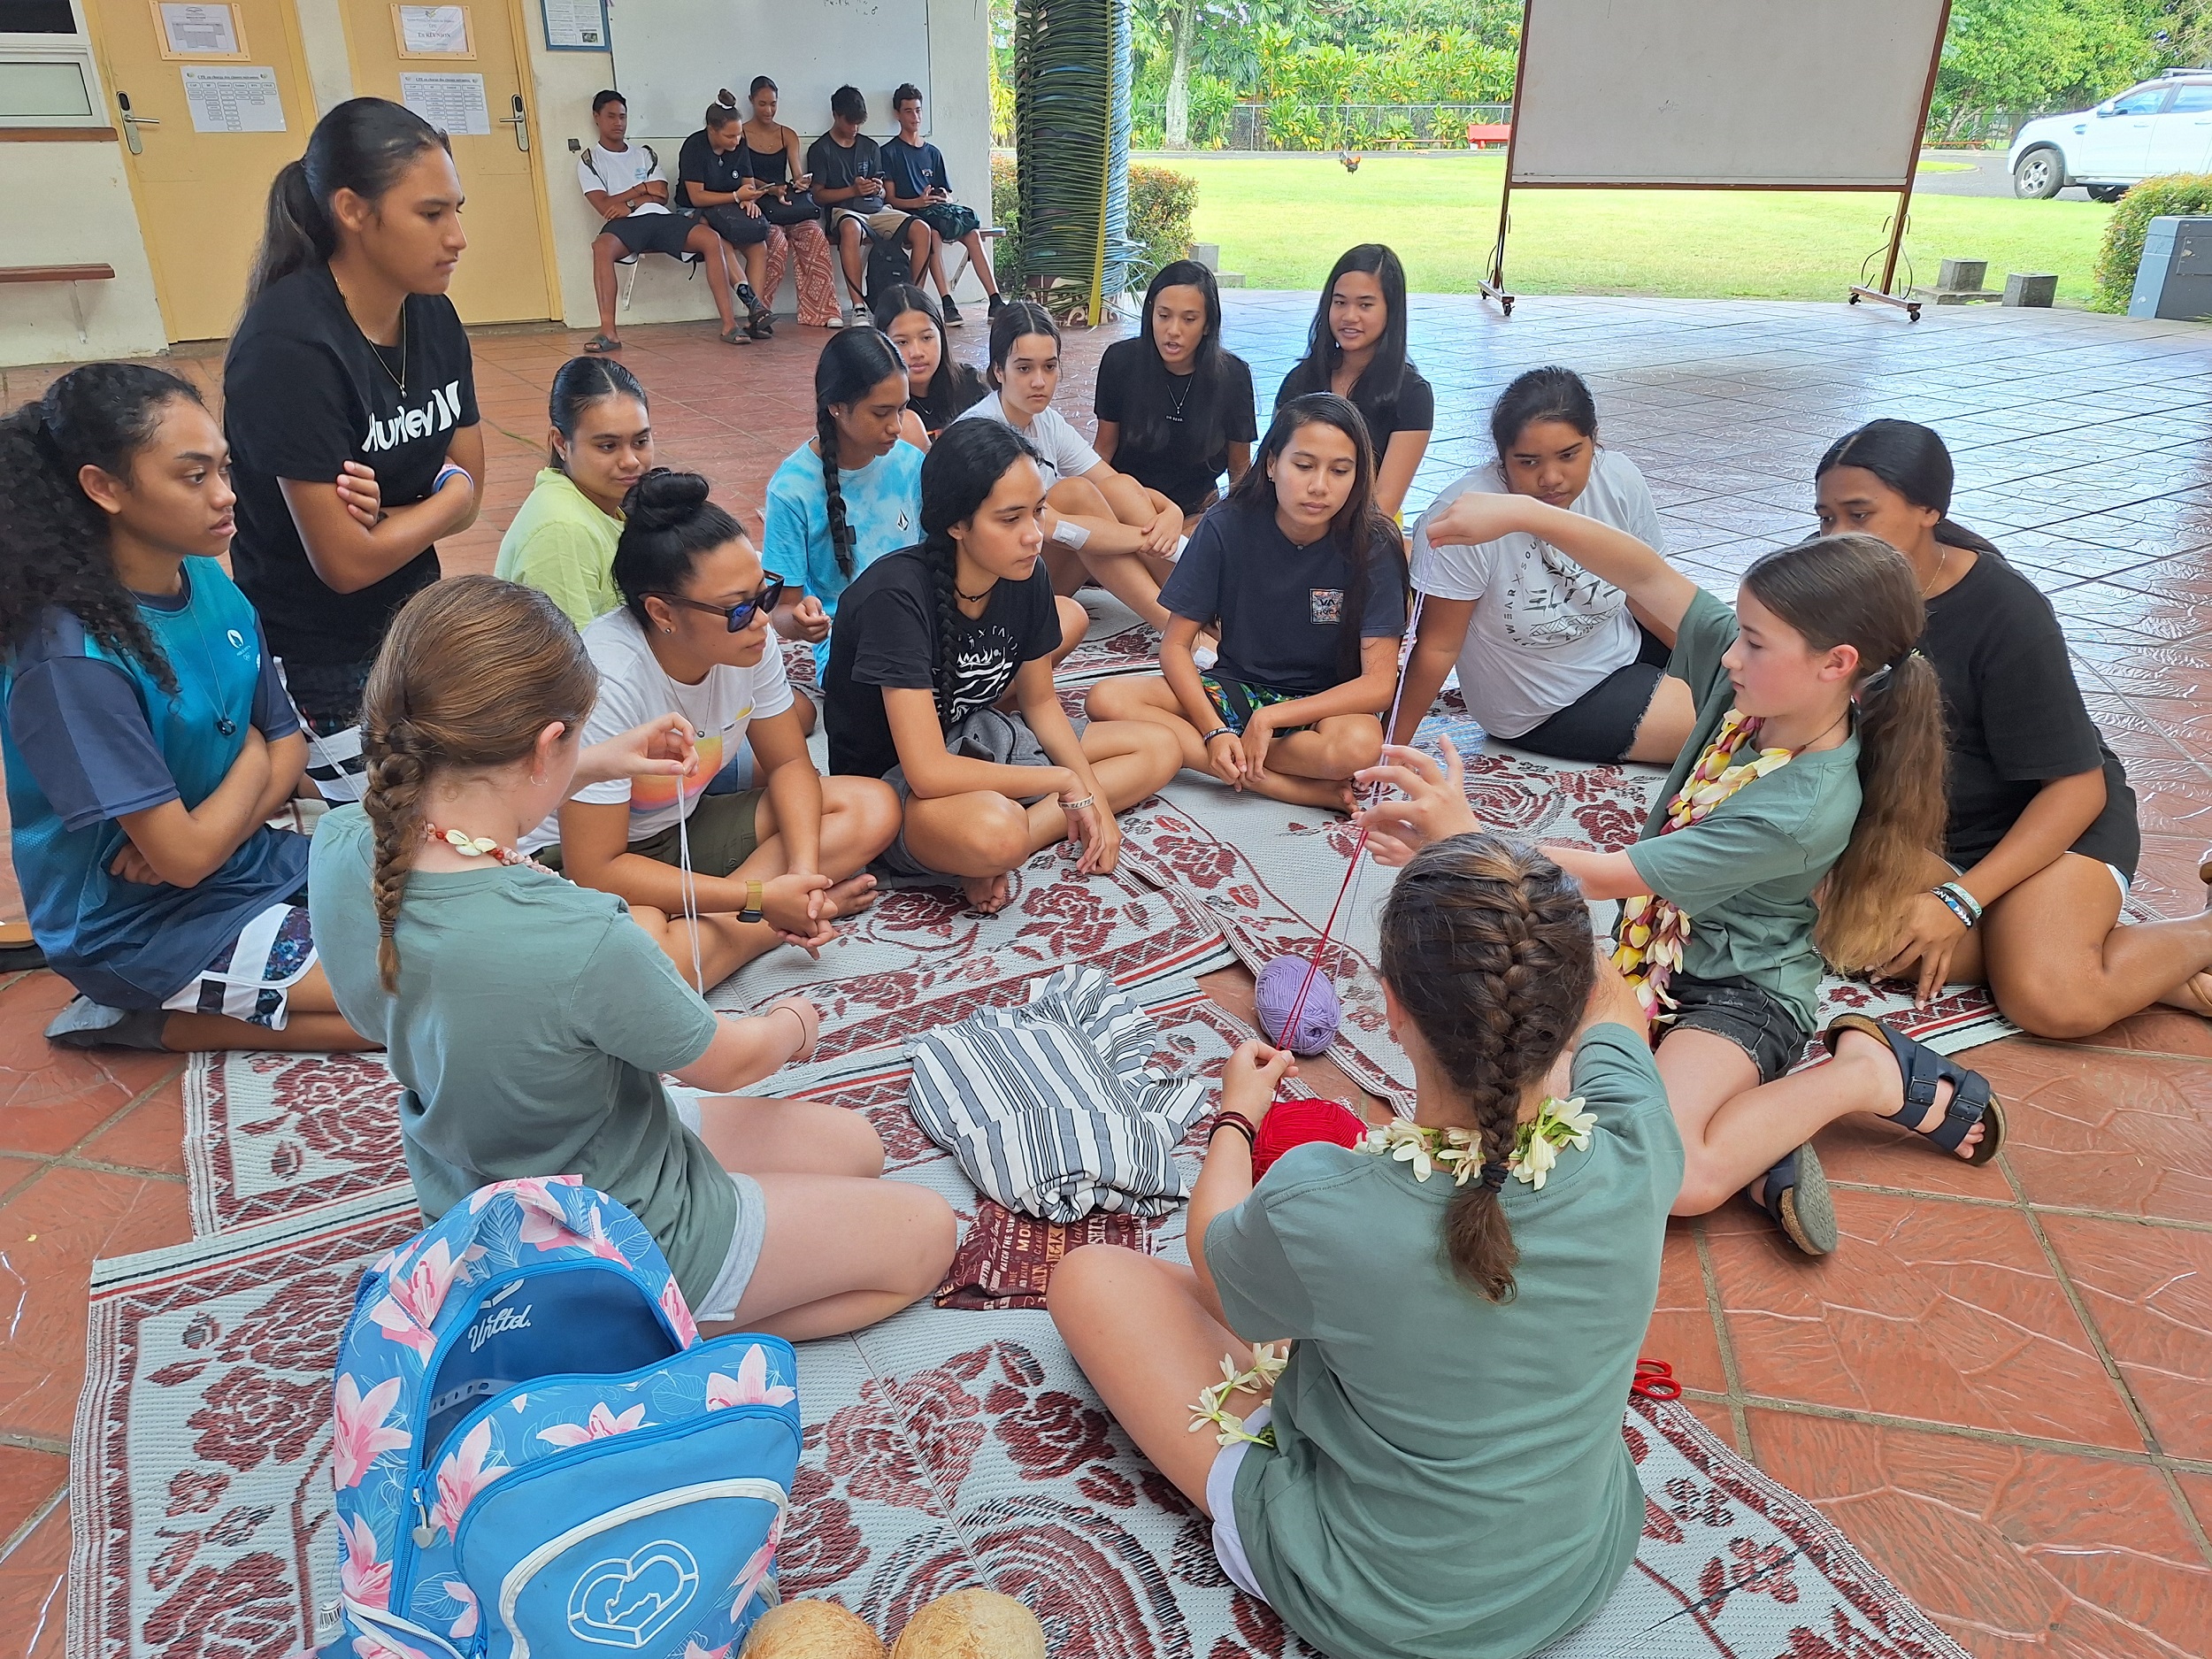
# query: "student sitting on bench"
[[847, 167], [625, 187], [920, 186], [711, 170]]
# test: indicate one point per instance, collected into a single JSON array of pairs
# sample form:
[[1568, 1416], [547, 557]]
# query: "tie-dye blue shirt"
[[883, 506]]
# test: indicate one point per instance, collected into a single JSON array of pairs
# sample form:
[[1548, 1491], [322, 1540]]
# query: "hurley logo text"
[[403, 425]]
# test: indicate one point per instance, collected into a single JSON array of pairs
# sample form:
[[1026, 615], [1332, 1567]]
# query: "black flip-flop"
[[1797, 1198], [1972, 1100]]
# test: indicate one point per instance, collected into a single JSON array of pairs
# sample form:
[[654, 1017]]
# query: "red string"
[[1321, 948]]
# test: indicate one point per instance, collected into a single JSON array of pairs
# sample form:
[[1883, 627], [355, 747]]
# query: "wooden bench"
[[1481, 133], [72, 275]]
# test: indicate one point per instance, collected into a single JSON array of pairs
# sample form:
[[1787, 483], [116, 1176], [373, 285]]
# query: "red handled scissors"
[[1654, 1380]]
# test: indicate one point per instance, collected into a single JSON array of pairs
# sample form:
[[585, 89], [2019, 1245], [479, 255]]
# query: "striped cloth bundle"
[[1051, 1107]]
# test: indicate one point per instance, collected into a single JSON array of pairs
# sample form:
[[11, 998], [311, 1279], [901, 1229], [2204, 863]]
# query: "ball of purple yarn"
[[1279, 984]]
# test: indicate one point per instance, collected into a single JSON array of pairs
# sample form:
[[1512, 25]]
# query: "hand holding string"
[[1433, 806]]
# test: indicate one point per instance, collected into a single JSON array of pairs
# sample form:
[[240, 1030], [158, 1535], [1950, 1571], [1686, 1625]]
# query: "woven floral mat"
[[267, 1132], [943, 1449], [1270, 872]]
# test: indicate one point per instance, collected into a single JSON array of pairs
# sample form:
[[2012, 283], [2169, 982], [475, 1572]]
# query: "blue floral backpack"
[[535, 1454]]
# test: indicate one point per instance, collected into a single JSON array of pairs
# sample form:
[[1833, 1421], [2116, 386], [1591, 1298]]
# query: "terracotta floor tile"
[[2130, 1134], [1718, 1419], [1931, 1309], [2149, 1290], [2196, 1491], [1681, 1330], [150, 1136], [52, 1098], [50, 1235], [27, 1478], [34, 1589], [2013, 1551], [2157, 1031]]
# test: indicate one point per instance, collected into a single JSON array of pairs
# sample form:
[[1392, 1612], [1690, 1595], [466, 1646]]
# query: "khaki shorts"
[[722, 829], [886, 222]]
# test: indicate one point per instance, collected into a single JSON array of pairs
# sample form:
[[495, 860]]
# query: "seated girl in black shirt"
[[938, 389], [931, 638], [1307, 582], [2042, 839], [1174, 410], [1357, 350]]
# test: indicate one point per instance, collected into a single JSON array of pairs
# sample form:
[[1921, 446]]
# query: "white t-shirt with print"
[[1065, 454], [1545, 630], [634, 688], [618, 172]]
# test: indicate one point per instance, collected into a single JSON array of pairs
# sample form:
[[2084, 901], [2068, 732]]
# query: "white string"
[[688, 882]]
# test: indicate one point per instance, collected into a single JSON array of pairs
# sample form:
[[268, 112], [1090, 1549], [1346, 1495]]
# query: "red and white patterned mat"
[[966, 1449], [267, 1133]]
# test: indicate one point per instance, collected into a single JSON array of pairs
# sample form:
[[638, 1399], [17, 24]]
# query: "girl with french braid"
[[1439, 1468], [530, 1020], [1793, 830]]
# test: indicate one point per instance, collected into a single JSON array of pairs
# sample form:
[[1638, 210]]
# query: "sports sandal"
[[1797, 1198], [1972, 1100], [734, 336], [601, 343]]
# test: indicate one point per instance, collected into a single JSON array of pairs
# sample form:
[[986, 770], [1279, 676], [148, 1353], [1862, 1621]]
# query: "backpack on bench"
[[534, 1452]]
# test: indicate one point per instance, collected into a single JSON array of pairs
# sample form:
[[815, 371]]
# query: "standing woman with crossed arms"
[[350, 402]]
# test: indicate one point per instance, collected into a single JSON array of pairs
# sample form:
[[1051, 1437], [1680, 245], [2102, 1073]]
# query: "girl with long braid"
[[1796, 826], [929, 640], [1439, 1470], [529, 1019]]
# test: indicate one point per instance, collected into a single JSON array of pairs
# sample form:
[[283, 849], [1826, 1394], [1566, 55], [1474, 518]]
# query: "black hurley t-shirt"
[[304, 393], [699, 163], [2014, 715], [886, 637], [1173, 465], [836, 166], [1411, 407], [1280, 606]]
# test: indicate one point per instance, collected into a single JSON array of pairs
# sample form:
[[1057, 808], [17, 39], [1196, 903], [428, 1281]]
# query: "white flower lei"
[[1557, 1123], [1267, 1364]]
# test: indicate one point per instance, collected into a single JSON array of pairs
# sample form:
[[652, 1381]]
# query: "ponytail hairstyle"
[[667, 523], [472, 670], [1018, 319], [851, 365], [1551, 393], [955, 388], [1359, 528], [1487, 947], [1912, 460], [959, 475], [54, 537], [1317, 371], [363, 145], [1151, 398], [577, 384], [1858, 590]]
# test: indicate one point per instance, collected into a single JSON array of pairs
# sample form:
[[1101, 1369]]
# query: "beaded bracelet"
[[1960, 902]]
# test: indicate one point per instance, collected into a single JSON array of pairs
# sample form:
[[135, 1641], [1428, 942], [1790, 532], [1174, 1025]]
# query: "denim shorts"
[[1747, 1016]]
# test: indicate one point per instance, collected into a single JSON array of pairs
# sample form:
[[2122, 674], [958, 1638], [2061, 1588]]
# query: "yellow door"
[[198, 146], [463, 73]]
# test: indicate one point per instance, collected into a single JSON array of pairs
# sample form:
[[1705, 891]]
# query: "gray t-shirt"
[[532, 1024], [1745, 874], [1449, 1480]]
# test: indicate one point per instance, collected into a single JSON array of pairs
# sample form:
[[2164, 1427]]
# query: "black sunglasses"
[[740, 614]]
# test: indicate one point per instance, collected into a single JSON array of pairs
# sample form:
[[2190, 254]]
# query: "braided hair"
[[53, 537], [1486, 945], [472, 670], [851, 366], [961, 471]]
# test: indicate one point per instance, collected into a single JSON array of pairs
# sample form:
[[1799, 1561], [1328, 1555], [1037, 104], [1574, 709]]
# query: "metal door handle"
[[132, 123], [520, 121]]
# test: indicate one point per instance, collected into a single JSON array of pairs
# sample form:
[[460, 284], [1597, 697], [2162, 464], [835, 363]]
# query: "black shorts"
[[736, 225], [1747, 1016], [650, 232], [1600, 726]]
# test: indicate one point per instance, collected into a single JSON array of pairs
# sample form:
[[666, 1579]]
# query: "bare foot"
[[850, 896], [1858, 1049], [2192, 995], [988, 893]]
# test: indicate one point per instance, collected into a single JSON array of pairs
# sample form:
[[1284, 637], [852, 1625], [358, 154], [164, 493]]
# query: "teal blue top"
[[883, 506]]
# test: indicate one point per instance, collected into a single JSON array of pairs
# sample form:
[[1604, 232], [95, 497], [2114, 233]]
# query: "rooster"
[[1350, 158]]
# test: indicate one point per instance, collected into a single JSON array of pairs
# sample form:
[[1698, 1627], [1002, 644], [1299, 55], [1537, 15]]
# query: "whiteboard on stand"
[[672, 57], [1750, 93]]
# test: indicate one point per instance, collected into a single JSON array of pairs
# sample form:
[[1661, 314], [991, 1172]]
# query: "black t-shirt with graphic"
[[886, 637], [304, 393]]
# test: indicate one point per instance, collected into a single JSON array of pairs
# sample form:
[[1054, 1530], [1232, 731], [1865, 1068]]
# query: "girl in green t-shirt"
[[562, 540], [1793, 828], [1440, 1467]]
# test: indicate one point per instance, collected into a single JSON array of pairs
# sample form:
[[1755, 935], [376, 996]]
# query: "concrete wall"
[[83, 213]]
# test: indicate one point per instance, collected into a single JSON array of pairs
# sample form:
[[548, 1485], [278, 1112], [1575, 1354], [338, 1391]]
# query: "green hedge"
[[2131, 222], [1161, 203]]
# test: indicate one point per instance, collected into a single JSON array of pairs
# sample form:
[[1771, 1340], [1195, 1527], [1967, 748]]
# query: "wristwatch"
[[752, 912]]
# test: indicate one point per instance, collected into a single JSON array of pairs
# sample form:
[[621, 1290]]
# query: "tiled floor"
[[2001, 1385]]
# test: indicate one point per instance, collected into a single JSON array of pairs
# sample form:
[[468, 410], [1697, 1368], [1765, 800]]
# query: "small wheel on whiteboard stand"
[[1491, 291]]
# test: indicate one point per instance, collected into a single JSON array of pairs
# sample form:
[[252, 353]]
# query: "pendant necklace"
[[224, 724], [1175, 414], [377, 352]]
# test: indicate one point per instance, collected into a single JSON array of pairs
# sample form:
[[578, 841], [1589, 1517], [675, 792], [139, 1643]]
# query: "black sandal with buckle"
[[1797, 1197], [1972, 1100]]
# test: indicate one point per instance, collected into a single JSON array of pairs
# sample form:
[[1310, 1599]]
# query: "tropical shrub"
[[2131, 222], [1161, 205]]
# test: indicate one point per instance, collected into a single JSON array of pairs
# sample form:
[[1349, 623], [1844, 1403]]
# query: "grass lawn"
[[1281, 221]]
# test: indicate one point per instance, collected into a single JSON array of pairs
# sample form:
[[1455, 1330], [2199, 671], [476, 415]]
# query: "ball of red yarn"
[[1293, 1122]]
